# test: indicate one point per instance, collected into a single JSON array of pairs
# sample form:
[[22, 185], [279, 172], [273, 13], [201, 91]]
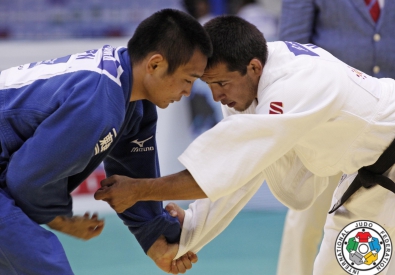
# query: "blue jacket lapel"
[[363, 10], [389, 6]]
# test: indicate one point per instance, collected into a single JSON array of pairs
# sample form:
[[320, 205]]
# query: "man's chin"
[[237, 108], [163, 106], [242, 108]]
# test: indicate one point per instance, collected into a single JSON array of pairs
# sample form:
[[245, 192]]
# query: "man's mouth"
[[174, 100], [230, 104]]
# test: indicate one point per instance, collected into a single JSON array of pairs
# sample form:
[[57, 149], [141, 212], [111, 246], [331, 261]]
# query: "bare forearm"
[[179, 186], [122, 192]]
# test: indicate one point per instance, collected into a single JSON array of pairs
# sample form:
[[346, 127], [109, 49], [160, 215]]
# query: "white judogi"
[[314, 118]]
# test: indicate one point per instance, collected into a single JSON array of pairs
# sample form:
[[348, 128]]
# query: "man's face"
[[231, 88], [166, 88]]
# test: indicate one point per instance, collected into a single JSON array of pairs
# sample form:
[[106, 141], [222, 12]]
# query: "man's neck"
[[138, 83]]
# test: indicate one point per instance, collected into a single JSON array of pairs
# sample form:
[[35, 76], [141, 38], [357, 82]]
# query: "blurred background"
[[37, 30]]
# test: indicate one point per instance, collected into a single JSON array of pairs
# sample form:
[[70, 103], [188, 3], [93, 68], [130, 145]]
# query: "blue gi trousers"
[[26, 248]]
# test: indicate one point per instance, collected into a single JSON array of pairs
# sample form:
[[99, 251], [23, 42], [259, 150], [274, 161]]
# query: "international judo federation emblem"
[[363, 248]]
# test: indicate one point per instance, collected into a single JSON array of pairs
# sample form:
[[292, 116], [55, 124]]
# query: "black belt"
[[371, 175]]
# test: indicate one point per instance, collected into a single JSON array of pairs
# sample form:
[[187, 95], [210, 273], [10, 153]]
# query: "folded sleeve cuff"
[[148, 232]]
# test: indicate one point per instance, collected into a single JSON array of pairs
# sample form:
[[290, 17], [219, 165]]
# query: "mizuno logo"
[[276, 108], [141, 143]]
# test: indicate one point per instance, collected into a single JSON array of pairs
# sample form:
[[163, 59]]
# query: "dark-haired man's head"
[[239, 55], [168, 51], [173, 34], [235, 42]]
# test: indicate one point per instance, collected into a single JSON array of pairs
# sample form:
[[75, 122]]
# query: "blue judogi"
[[59, 119]]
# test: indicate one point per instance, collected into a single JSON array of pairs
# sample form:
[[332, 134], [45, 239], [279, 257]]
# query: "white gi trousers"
[[302, 235]]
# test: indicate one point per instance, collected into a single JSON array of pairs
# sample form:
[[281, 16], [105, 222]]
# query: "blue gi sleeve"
[[297, 20], [61, 122], [135, 155]]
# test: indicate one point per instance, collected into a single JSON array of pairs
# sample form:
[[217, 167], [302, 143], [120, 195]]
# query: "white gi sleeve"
[[232, 153], [204, 220]]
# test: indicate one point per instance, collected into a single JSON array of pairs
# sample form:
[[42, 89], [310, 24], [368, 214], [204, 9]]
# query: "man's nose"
[[217, 94], [186, 92]]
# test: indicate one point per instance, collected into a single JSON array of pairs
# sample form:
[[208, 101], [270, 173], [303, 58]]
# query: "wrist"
[[57, 223], [149, 190], [154, 252]]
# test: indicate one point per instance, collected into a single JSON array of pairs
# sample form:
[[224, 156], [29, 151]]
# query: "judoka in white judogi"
[[315, 117]]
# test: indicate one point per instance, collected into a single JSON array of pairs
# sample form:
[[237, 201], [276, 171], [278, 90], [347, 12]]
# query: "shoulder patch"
[[299, 49]]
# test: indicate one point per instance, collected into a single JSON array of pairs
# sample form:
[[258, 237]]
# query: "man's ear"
[[154, 62], [256, 67]]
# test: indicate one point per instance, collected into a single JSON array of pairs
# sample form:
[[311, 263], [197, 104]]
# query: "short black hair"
[[235, 43], [172, 33]]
